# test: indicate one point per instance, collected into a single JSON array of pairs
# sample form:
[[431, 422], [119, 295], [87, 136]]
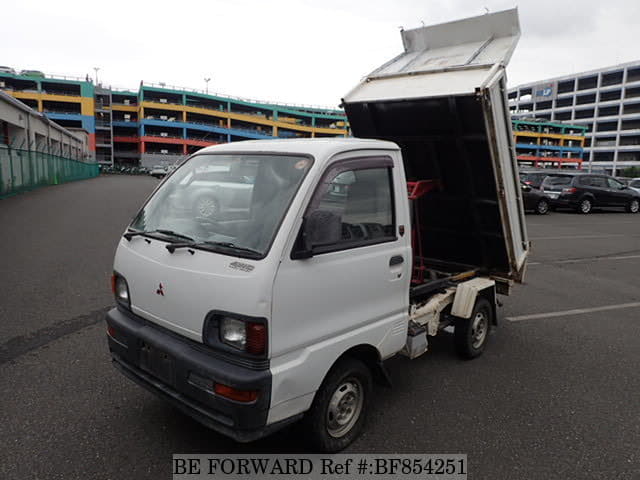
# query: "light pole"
[[96, 69], [206, 82]]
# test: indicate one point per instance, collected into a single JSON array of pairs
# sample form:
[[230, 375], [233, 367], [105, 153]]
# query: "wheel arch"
[[370, 356]]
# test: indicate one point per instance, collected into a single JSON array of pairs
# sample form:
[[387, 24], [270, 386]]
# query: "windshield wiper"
[[173, 246], [134, 233], [235, 247]]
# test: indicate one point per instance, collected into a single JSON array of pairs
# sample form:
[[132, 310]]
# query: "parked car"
[[158, 171], [583, 192], [32, 73], [535, 200], [219, 195], [5, 69], [634, 184], [535, 176]]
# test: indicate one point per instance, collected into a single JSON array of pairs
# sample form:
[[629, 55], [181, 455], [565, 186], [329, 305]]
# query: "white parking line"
[[577, 311], [582, 260], [572, 237], [579, 224]]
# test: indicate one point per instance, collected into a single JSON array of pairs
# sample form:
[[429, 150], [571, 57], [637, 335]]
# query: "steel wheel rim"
[[585, 206], [543, 207], [344, 407], [479, 329], [206, 207]]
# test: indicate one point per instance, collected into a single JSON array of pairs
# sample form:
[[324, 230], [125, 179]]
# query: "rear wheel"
[[542, 208], [338, 412], [633, 206], [471, 334], [585, 206]]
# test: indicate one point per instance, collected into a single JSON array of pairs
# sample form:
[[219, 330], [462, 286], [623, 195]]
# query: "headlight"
[[233, 332], [120, 290]]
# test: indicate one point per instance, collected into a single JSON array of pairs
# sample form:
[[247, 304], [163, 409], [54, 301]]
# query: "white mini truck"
[[265, 282]]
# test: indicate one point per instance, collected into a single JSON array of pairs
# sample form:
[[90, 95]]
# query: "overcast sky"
[[298, 51]]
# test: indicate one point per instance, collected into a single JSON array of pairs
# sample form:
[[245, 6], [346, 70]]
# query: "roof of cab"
[[317, 147]]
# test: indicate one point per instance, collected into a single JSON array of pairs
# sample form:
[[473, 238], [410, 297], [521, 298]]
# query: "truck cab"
[[325, 257]]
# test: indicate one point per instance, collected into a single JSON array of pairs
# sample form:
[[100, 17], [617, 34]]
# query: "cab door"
[[353, 286]]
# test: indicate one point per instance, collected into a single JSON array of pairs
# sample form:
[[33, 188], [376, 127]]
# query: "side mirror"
[[526, 188], [321, 228]]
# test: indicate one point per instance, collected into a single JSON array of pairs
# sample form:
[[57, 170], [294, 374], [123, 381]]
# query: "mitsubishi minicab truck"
[[266, 282]]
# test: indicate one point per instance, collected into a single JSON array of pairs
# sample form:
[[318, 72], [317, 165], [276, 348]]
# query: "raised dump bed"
[[444, 102]]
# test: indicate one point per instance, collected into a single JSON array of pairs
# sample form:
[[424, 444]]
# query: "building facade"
[[23, 128], [156, 124], [605, 101], [545, 144]]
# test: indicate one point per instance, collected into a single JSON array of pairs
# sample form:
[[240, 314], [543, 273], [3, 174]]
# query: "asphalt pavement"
[[554, 396]]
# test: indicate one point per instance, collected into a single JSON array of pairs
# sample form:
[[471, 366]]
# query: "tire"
[[338, 413], [471, 334], [542, 208], [633, 206], [206, 206], [585, 206]]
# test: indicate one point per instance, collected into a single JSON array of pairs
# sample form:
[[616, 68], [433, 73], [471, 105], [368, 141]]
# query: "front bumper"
[[183, 372]]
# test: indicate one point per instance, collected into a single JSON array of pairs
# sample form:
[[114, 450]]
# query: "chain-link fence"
[[22, 170]]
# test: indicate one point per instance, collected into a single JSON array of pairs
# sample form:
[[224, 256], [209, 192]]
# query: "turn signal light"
[[256, 338], [244, 396]]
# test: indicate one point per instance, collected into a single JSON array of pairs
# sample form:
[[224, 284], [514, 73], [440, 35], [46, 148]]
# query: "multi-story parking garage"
[[158, 124], [606, 101], [541, 143]]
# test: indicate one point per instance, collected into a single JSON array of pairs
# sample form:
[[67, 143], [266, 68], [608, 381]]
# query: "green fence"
[[22, 170]]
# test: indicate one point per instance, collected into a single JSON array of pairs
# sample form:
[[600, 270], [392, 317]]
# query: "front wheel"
[[543, 207], [633, 206], [471, 334], [338, 412]]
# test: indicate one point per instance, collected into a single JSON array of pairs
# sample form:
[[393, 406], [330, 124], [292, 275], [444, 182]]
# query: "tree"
[[630, 172]]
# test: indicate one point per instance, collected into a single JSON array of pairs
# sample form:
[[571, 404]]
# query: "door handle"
[[396, 260]]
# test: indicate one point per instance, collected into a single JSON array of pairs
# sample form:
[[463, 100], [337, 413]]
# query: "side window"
[[352, 208], [613, 183], [598, 182], [585, 181]]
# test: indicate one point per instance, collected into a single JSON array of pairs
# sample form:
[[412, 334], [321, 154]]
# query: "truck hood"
[[177, 290]]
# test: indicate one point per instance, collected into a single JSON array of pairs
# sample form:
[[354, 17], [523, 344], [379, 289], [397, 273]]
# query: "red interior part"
[[417, 190]]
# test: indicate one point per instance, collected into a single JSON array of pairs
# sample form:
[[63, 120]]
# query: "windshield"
[[234, 201]]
